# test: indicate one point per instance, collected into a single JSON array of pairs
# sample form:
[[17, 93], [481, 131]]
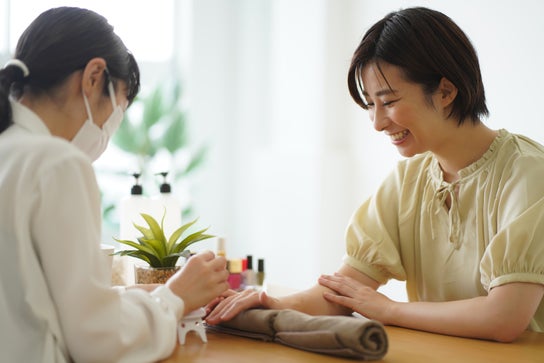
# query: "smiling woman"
[[459, 219], [288, 146]]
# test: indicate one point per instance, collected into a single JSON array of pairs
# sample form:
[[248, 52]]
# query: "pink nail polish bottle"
[[235, 276]]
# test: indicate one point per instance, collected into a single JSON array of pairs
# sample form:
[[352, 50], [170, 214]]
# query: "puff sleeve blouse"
[[492, 233]]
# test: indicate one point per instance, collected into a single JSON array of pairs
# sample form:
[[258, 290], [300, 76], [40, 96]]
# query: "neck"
[[462, 147], [62, 111]]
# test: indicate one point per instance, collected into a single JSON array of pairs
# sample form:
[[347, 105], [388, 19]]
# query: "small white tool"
[[192, 322]]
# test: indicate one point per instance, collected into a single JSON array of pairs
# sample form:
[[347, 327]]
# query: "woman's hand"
[[202, 279], [232, 303], [356, 296]]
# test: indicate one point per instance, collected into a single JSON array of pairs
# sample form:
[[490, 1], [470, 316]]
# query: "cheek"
[[104, 112], [404, 116]]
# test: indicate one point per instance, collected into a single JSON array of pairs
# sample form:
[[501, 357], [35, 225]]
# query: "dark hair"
[[427, 45], [59, 42]]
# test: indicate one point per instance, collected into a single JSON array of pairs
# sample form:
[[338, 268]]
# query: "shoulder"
[[31, 155], [519, 153], [519, 145]]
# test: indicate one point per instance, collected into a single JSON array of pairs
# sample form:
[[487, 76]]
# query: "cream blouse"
[[493, 233]]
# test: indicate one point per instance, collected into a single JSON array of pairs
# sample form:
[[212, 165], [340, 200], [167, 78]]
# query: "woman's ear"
[[93, 75], [447, 92]]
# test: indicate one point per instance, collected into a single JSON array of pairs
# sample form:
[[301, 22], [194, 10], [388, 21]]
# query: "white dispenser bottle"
[[166, 202], [130, 209]]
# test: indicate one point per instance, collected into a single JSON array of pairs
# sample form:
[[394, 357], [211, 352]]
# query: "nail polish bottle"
[[235, 273], [260, 272], [221, 247], [249, 275]]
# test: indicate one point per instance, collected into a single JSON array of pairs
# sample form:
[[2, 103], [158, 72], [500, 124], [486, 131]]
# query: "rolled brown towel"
[[344, 336]]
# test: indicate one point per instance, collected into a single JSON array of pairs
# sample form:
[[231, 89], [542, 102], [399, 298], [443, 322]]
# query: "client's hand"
[[232, 303], [356, 296], [203, 278]]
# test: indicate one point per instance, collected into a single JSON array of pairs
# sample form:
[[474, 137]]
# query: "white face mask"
[[90, 138]]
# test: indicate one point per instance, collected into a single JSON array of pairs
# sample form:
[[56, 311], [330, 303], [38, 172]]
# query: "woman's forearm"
[[311, 302], [502, 315]]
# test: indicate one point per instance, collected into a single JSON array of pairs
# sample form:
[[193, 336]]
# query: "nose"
[[379, 119]]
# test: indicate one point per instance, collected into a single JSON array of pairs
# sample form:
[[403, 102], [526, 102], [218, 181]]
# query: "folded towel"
[[344, 336]]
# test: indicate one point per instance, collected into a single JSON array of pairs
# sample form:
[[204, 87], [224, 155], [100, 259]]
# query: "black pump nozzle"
[[165, 187], [136, 188]]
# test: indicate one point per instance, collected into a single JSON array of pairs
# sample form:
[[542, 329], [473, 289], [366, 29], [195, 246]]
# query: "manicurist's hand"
[[202, 279], [232, 303], [356, 296]]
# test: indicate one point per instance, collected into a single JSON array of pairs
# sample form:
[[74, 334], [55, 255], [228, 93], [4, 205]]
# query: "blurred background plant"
[[153, 138]]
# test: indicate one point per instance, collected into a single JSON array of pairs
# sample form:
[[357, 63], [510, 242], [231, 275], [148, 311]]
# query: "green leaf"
[[124, 137], [189, 240], [151, 259], [132, 253], [146, 232], [173, 258], [175, 134], [177, 234], [162, 220], [170, 260], [137, 246], [155, 245], [153, 108], [156, 230]]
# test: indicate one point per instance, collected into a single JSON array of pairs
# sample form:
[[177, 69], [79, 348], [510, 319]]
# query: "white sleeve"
[[99, 323]]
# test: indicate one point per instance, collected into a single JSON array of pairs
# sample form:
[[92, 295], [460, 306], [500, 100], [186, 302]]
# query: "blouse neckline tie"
[[439, 202]]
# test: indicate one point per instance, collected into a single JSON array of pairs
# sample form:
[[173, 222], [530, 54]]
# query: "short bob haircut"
[[427, 45]]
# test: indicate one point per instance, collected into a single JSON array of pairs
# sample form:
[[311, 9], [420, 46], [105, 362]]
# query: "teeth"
[[399, 135]]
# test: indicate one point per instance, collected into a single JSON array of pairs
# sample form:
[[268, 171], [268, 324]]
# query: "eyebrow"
[[382, 92]]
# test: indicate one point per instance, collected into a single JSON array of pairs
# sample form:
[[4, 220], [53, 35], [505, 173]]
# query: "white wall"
[[292, 156]]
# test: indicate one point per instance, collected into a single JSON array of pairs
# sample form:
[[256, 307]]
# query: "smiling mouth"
[[399, 135]]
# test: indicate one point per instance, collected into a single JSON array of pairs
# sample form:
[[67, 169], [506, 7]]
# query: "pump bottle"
[[167, 205], [130, 209]]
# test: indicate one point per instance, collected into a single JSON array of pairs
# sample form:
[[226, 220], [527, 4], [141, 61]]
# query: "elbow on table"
[[507, 333], [507, 337]]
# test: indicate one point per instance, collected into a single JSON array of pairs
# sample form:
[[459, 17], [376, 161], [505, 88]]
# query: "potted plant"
[[160, 253]]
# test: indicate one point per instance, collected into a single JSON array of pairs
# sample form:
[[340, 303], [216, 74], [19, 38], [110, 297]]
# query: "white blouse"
[[56, 302]]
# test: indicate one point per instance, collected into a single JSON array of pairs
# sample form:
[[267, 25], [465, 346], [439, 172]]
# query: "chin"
[[407, 153]]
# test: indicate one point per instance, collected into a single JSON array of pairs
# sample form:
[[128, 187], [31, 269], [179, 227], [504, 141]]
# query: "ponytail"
[[12, 78]]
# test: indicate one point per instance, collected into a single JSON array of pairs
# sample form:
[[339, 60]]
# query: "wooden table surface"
[[405, 345]]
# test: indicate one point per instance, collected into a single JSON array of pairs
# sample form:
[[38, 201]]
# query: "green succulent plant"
[[156, 249]]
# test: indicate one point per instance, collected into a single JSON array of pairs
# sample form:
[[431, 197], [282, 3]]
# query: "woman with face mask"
[[461, 219], [62, 97]]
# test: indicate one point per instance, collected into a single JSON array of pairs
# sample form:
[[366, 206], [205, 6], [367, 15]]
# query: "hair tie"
[[19, 64]]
